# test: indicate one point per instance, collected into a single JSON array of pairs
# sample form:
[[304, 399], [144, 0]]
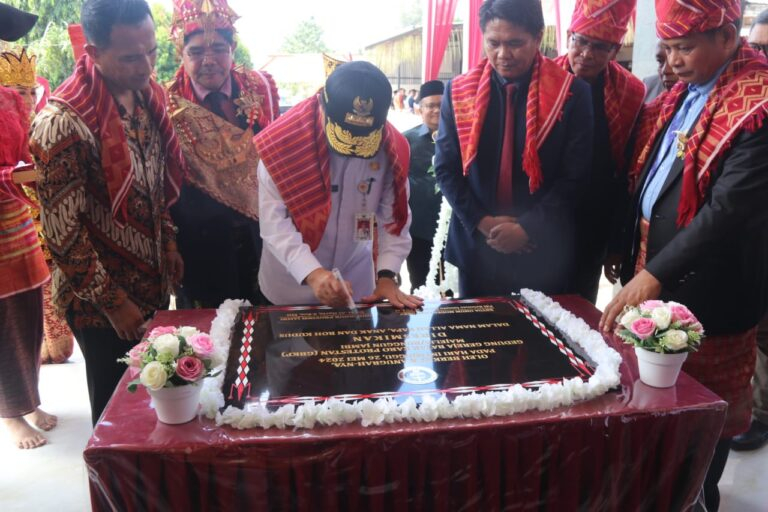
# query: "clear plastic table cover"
[[636, 448]]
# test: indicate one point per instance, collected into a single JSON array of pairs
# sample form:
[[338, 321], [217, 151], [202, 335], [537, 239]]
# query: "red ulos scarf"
[[738, 102], [257, 82], [547, 94], [644, 129], [295, 152], [624, 95], [86, 94]]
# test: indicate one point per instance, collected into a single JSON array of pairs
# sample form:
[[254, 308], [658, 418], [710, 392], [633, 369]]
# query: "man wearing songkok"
[[425, 198], [333, 173], [699, 229], [216, 109], [757, 435], [17, 71], [512, 156], [595, 35], [111, 166], [23, 271]]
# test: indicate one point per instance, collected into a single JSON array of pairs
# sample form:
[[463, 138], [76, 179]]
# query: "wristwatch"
[[389, 274]]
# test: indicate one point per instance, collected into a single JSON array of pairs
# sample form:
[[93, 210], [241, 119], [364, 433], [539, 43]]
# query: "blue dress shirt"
[[683, 121]]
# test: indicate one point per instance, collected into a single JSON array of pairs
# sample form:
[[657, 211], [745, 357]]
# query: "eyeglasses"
[[216, 50], [760, 48], [582, 43], [429, 106]]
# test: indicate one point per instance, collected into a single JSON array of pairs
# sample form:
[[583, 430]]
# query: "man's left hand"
[[642, 287], [386, 288], [508, 238], [175, 266]]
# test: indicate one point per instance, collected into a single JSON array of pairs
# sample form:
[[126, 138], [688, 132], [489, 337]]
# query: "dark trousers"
[[418, 262], [101, 348], [715, 471]]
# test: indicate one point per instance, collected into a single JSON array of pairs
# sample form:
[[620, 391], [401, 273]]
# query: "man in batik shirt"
[[111, 166]]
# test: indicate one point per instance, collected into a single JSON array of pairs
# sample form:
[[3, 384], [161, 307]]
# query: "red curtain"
[[474, 35], [438, 29]]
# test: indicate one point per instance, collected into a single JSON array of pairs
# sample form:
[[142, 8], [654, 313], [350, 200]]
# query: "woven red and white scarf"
[[739, 102], [86, 94], [295, 151], [547, 94], [624, 95]]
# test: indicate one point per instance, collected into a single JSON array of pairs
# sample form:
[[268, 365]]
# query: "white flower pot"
[[659, 370], [176, 405]]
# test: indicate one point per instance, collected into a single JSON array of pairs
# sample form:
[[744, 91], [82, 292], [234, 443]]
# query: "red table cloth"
[[636, 448]]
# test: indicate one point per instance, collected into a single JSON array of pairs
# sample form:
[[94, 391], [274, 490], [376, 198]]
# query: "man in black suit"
[[425, 198], [512, 155], [699, 229]]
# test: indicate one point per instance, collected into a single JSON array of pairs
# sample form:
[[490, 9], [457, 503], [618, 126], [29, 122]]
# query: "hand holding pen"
[[350, 301], [328, 289]]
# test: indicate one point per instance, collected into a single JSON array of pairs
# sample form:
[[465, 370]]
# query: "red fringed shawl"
[[624, 95], [547, 94], [86, 94], [738, 102], [295, 152]]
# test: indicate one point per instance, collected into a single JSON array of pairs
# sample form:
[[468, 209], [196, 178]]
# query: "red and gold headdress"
[[17, 68], [206, 15], [678, 18], [606, 20]]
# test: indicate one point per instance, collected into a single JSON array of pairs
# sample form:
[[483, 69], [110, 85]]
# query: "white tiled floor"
[[54, 477]]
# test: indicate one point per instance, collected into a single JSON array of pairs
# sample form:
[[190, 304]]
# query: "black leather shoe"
[[752, 439]]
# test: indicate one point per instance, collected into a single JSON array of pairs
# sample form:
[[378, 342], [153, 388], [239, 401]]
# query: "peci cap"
[[431, 88]]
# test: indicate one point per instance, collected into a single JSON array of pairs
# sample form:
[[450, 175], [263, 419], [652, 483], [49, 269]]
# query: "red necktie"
[[222, 106], [504, 189]]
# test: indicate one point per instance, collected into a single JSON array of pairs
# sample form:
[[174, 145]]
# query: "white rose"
[[153, 375], [629, 317], [187, 331], [167, 343], [662, 316], [675, 340]]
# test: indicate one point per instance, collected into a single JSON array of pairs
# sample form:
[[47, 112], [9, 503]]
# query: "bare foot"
[[23, 434], [42, 419]]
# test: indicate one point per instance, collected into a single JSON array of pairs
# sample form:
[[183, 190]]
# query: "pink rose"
[[202, 344], [159, 331], [650, 305], [136, 354], [189, 368], [643, 328], [682, 314]]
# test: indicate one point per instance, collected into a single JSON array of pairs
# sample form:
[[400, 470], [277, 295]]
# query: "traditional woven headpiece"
[[206, 15], [606, 20], [678, 18], [330, 64], [17, 68]]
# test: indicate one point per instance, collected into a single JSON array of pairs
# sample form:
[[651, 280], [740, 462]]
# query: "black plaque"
[[290, 354]]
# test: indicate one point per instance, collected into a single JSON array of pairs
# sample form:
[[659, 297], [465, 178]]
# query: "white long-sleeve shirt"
[[286, 260]]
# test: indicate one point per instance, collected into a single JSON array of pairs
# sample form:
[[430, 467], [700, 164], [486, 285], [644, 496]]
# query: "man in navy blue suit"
[[512, 156]]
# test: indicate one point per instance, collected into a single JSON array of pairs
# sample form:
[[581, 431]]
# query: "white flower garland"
[[430, 290], [334, 411]]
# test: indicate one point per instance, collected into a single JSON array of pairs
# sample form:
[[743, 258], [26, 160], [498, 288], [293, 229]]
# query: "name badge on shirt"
[[364, 225]]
